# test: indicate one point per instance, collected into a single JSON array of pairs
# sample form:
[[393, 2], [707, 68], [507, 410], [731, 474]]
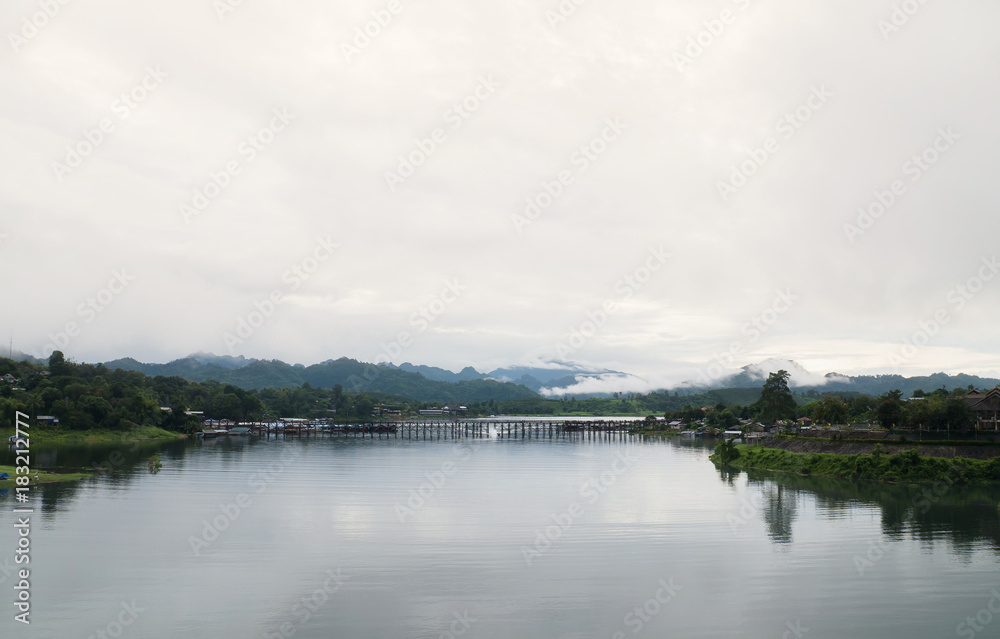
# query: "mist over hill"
[[547, 379], [351, 374]]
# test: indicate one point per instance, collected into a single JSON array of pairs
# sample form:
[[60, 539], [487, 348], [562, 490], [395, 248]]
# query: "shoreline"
[[44, 477], [903, 467], [98, 436]]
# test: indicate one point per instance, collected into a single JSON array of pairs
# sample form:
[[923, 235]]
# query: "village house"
[[986, 405]]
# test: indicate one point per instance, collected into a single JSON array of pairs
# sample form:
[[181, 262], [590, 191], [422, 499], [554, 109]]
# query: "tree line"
[[87, 397], [937, 410]]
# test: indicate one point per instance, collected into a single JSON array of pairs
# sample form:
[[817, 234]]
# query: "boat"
[[213, 432], [13, 439]]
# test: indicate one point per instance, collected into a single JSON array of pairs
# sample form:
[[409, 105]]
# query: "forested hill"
[[881, 384], [352, 375]]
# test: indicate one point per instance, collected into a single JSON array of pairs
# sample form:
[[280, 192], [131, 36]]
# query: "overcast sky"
[[706, 163]]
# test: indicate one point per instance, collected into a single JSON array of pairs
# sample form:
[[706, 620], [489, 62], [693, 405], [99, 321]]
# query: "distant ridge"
[[442, 375], [804, 381], [351, 374], [547, 379]]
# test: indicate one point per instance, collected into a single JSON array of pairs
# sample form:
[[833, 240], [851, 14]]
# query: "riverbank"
[[907, 466], [44, 477], [44, 435], [984, 451]]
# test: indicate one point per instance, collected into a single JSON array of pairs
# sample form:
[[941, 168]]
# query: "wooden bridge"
[[451, 429]]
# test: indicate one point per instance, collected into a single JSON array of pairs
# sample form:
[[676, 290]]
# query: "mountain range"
[[552, 379], [558, 375]]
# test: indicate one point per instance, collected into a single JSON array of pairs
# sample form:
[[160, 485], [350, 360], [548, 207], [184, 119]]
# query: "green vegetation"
[[41, 434], [352, 375], [904, 467], [154, 464], [726, 452], [43, 477], [989, 440], [939, 410], [657, 403], [96, 404], [776, 401]]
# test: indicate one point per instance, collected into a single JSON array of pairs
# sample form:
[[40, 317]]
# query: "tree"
[[251, 407], [959, 414], [227, 406], [726, 451], [364, 406], [890, 410], [830, 410], [776, 401], [58, 365]]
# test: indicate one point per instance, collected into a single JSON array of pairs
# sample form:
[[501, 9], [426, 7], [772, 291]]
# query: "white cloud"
[[656, 185]]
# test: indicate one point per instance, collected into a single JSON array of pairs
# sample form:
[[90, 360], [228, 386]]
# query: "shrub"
[[726, 451]]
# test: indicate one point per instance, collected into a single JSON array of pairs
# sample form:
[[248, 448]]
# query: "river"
[[491, 538]]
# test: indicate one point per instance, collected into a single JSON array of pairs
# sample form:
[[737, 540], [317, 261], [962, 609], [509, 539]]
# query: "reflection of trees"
[[965, 516], [55, 498], [779, 510], [118, 464], [728, 475]]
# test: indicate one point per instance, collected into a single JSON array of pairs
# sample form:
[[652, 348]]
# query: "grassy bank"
[[44, 477], [905, 467], [43, 435], [890, 440]]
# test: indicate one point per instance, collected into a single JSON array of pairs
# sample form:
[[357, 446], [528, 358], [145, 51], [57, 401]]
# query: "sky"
[[671, 189]]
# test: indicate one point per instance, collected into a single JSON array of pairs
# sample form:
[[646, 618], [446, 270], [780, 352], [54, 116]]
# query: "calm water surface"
[[492, 539]]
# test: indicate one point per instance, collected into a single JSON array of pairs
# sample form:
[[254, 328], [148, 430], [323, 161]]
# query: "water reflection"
[[779, 510], [796, 554], [118, 465], [968, 517]]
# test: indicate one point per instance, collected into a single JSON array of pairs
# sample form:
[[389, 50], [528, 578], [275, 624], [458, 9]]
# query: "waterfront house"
[[986, 405]]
